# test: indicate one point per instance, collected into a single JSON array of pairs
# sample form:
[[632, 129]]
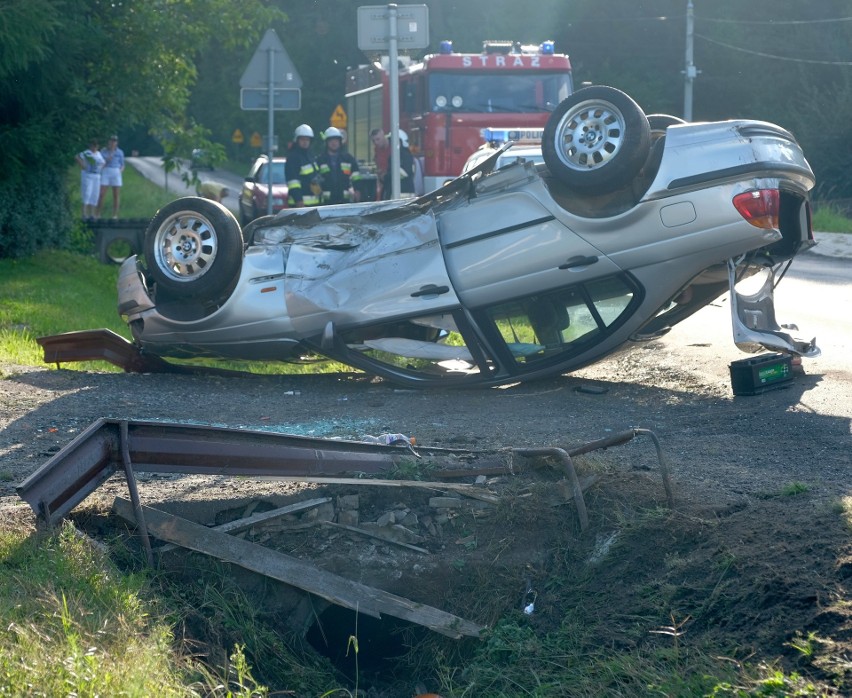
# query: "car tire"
[[596, 140], [660, 122], [193, 248]]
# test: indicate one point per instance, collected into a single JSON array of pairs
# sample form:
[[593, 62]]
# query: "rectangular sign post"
[[270, 82], [256, 99], [387, 27]]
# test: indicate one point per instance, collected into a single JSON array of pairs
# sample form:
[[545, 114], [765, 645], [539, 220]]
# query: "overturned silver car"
[[498, 276]]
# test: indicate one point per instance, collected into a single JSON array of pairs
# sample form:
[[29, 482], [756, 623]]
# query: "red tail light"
[[760, 207]]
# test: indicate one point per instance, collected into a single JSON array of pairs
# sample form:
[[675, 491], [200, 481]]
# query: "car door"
[[367, 270], [507, 243]]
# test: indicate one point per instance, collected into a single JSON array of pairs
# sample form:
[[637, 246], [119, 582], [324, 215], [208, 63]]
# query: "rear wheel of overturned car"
[[660, 122], [193, 248], [596, 140]]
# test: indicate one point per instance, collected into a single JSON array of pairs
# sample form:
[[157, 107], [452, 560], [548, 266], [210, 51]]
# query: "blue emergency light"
[[546, 48], [497, 136]]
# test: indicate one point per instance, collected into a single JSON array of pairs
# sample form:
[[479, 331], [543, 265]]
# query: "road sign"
[[374, 27], [284, 74], [256, 140], [237, 137], [339, 118], [257, 98]]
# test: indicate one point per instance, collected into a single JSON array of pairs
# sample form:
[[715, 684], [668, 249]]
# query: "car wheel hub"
[[590, 135], [185, 246]]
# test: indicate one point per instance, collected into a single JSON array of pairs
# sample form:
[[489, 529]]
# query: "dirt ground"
[[755, 555]]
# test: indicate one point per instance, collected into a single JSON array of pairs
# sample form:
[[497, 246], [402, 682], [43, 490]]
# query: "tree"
[[72, 70]]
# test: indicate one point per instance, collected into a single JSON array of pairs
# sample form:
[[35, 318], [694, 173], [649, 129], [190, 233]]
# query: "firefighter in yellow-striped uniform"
[[302, 172], [339, 170]]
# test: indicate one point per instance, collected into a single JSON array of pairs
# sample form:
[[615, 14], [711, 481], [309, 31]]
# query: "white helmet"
[[303, 130], [332, 132], [403, 138]]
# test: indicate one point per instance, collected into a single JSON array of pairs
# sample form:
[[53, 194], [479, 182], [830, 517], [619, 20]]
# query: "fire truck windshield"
[[501, 92]]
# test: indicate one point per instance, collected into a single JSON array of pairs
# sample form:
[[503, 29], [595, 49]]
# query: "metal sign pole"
[[394, 97], [690, 73], [270, 130]]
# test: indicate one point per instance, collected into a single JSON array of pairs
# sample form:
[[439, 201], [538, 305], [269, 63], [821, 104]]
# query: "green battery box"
[[761, 373]]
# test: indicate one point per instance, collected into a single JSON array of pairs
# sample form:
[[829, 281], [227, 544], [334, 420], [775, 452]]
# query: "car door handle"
[[430, 290], [578, 261]]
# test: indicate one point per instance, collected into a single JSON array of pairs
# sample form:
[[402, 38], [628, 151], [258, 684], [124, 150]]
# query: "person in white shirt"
[[91, 163]]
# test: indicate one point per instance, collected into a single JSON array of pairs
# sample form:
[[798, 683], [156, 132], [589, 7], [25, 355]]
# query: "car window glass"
[[497, 92], [277, 173], [548, 324]]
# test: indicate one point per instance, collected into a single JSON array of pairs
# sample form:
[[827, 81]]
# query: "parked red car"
[[253, 201]]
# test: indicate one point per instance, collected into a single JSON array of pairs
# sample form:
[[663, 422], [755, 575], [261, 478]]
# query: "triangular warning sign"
[[284, 73]]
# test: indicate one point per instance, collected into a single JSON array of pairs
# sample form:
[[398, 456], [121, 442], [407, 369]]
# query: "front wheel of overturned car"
[[596, 140], [193, 248]]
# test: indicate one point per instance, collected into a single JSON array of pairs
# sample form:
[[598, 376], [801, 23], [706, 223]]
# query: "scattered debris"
[[107, 445], [298, 573]]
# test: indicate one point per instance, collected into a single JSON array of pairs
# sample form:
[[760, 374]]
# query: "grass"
[[829, 219], [73, 625], [139, 197], [32, 307]]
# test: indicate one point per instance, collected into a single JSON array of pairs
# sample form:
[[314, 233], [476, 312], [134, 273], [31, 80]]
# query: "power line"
[[771, 55], [772, 22]]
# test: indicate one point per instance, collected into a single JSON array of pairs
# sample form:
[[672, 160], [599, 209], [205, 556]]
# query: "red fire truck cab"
[[448, 100]]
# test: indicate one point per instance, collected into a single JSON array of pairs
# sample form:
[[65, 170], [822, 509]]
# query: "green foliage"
[[73, 625], [89, 68], [795, 488], [33, 212], [830, 219]]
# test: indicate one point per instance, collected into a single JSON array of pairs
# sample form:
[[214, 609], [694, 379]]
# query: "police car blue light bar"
[[518, 135]]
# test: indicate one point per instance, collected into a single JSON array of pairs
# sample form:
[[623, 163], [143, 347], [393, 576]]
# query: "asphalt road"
[[152, 169]]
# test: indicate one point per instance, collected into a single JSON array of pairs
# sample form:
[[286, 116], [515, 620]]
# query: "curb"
[[836, 245]]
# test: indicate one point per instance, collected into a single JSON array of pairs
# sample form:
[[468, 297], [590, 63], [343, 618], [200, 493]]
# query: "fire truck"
[[448, 100]]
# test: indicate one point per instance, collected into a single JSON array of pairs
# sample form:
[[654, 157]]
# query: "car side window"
[[550, 324]]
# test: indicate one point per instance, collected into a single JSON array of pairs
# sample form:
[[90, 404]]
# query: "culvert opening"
[[382, 644]]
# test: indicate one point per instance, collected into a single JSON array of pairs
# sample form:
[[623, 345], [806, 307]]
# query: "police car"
[[526, 144]]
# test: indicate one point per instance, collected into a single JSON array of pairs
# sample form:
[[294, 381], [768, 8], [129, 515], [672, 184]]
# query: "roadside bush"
[[34, 212]]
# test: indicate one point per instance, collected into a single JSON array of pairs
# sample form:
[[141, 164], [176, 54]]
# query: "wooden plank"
[[249, 521], [304, 575], [473, 491]]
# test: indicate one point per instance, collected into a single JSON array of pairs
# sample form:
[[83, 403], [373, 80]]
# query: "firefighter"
[[338, 169], [406, 170], [302, 172]]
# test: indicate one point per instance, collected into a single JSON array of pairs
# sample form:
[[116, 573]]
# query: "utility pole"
[[691, 72], [393, 77]]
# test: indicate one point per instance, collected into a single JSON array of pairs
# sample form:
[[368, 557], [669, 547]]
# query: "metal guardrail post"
[[134, 493]]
